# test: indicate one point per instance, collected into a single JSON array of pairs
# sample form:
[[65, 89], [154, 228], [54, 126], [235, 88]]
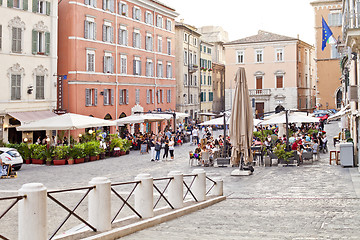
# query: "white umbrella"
[[216, 121], [181, 115], [241, 121], [68, 121], [139, 118], [293, 117]]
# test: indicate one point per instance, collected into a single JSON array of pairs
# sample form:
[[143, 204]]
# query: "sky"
[[243, 18]]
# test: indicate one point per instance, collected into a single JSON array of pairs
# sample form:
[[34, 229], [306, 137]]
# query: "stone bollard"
[[33, 212], [199, 185], [100, 203], [217, 190], [144, 196], [176, 190]]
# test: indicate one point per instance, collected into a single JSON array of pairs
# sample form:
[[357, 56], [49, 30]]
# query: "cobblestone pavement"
[[313, 201]]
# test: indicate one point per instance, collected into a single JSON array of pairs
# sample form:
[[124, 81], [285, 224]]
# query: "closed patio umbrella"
[[241, 121]]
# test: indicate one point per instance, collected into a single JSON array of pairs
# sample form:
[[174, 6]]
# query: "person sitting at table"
[[257, 141]]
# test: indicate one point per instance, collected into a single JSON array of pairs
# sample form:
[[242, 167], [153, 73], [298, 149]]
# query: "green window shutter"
[[34, 42], [0, 2], [47, 43], [10, 3], [25, 5], [48, 8], [35, 6]]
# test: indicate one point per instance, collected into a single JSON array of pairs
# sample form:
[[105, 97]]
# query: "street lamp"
[[91, 131]]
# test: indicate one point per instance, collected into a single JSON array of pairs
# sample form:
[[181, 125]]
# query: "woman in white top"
[[171, 148]]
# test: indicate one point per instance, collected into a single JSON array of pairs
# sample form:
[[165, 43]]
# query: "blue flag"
[[326, 34]]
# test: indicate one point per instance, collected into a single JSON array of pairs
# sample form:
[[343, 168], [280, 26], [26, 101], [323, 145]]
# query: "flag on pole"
[[327, 35]]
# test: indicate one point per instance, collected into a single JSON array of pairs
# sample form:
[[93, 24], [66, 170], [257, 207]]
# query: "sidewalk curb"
[[147, 223]]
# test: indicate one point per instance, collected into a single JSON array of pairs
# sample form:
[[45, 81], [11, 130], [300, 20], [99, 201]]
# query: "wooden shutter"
[[95, 96], [104, 4], [112, 34], [95, 2], [127, 96], [139, 68], [48, 10], [25, 5], [134, 12], [112, 6], [112, 96], [134, 67], [279, 82], [104, 59], [10, 3], [258, 82], [87, 2], [104, 33], [35, 5], [106, 96], [94, 31], [134, 40], [87, 96], [112, 64], [47, 43], [86, 29], [153, 96], [0, 2], [34, 41], [147, 96]]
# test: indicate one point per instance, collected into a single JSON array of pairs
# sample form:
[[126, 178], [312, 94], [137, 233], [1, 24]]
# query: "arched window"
[[338, 98]]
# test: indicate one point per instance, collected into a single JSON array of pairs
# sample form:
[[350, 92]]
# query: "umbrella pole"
[[69, 137], [287, 131], [224, 151]]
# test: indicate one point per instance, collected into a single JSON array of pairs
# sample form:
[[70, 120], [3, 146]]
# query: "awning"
[[343, 112], [26, 117]]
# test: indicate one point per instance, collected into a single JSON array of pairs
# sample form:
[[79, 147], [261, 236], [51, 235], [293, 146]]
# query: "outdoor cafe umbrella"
[[139, 118], [293, 117], [241, 121]]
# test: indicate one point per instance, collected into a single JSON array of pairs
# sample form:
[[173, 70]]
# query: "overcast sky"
[[243, 18]]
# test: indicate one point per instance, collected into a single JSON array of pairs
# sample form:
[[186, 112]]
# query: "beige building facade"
[[329, 92], [187, 69], [279, 71], [206, 83]]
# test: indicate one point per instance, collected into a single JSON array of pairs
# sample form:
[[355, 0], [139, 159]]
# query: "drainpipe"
[[188, 62], [116, 61], [155, 61]]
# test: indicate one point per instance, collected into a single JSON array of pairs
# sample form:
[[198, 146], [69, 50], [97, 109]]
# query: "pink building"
[[119, 57]]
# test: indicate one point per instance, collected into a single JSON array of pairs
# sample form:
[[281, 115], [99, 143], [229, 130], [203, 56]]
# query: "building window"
[[41, 42], [160, 69], [108, 5], [123, 36], [240, 57], [108, 32], [136, 39], [279, 55], [136, 13], [0, 37], [90, 58], [148, 18], [137, 66], [16, 4], [209, 80], [43, 7], [149, 96], [137, 96], [259, 56], [169, 47], [335, 19], [279, 81], [90, 28], [108, 63], [159, 21], [123, 96], [123, 9], [149, 68], [108, 97], [40, 87], [334, 52], [91, 2], [185, 37], [159, 44], [209, 51], [16, 40], [15, 87], [123, 64], [185, 57], [195, 41], [185, 79], [168, 25], [168, 70], [91, 97], [168, 96], [149, 42], [211, 96]]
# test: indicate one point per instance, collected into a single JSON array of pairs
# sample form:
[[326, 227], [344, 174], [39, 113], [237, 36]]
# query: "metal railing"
[[351, 20], [188, 187], [17, 199], [162, 192], [125, 201], [71, 211], [212, 186], [259, 92]]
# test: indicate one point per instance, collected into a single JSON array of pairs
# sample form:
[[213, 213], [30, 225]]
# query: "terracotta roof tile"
[[262, 36]]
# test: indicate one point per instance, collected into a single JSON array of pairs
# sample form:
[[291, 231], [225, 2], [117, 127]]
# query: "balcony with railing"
[[193, 68], [351, 24], [259, 92]]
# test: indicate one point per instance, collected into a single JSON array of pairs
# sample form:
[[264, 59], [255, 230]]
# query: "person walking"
[[171, 148], [157, 149], [152, 148], [166, 148]]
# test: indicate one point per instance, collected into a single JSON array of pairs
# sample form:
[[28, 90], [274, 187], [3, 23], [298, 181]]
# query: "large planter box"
[[290, 161], [59, 161], [92, 158], [38, 161], [79, 160]]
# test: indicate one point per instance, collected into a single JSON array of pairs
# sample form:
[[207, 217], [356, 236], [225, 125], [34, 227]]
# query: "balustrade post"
[[33, 212], [218, 187], [100, 203], [176, 189], [199, 185], [144, 195]]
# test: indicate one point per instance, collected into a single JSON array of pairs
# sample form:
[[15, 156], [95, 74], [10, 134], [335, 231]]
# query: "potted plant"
[[127, 145], [60, 154], [209, 69], [37, 153], [92, 149], [49, 153], [25, 152], [283, 155], [72, 154], [79, 153], [115, 146]]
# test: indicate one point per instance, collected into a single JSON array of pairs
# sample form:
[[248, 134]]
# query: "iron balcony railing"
[[193, 68], [351, 20], [17, 199]]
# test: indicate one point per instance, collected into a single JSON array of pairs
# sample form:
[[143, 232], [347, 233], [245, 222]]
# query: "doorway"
[[259, 110]]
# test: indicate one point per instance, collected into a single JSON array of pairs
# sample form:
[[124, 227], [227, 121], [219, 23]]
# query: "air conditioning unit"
[[353, 93]]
